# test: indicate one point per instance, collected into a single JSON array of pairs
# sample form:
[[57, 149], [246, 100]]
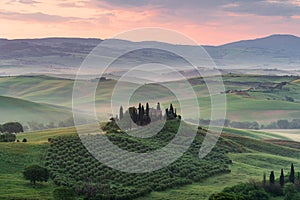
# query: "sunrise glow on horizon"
[[207, 22]]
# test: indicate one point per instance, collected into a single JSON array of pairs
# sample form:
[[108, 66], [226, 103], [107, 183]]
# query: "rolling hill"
[[276, 42], [23, 111], [250, 159], [42, 89], [262, 104], [64, 55]]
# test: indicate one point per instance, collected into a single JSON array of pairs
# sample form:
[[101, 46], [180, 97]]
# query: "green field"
[[16, 156], [256, 158], [201, 191], [255, 134], [23, 111], [262, 105], [47, 99]]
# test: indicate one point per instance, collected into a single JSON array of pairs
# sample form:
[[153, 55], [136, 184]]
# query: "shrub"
[[257, 194], [7, 137], [226, 196], [274, 189], [63, 193], [243, 191], [290, 192]]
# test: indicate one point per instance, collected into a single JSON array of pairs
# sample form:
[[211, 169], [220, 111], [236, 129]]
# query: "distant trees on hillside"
[[34, 126], [11, 127], [144, 115], [8, 130], [290, 99], [228, 123], [279, 124], [245, 125], [284, 124], [171, 113], [287, 188]]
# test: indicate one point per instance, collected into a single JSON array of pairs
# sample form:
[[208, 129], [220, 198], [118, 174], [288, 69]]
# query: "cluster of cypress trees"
[[139, 116], [171, 113], [142, 115], [291, 177]]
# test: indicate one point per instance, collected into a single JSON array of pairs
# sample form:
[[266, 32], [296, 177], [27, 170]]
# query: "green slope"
[[262, 106], [14, 158], [43, 89], [259, 157], [23, 111], [255, 134]]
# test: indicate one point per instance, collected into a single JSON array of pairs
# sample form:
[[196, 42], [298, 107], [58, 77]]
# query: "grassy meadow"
[[48, 99], [18, 155], [46, 93], [258, 158]]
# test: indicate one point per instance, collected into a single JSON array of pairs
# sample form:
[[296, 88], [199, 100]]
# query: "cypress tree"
[[281, 181], [148, 119], [133, 114], [292, 174], [158, 106], [264, 180], [121, 114], [272, 178], [143, 110], [147, 109], [143, 116], [171, 109], [167, 114], [140, 116]]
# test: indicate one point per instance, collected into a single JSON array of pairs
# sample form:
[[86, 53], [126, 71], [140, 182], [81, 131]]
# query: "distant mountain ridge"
[[277, 41], [61, 55]]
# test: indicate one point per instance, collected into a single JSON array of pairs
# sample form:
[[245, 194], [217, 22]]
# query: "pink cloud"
[[208, 22]]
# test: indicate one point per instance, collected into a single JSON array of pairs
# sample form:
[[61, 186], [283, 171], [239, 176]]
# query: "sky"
[[208, 22]]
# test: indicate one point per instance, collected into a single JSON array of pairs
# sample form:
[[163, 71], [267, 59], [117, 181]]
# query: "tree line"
[[286, 186], [279, 124], [8, 131], [143, 115], [35, 126], [283, 124]]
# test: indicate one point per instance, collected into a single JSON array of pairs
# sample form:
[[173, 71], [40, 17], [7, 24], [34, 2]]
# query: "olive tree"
[[36, 173]]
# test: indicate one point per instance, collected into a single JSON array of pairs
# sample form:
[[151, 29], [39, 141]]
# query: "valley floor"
[[292, 134]]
